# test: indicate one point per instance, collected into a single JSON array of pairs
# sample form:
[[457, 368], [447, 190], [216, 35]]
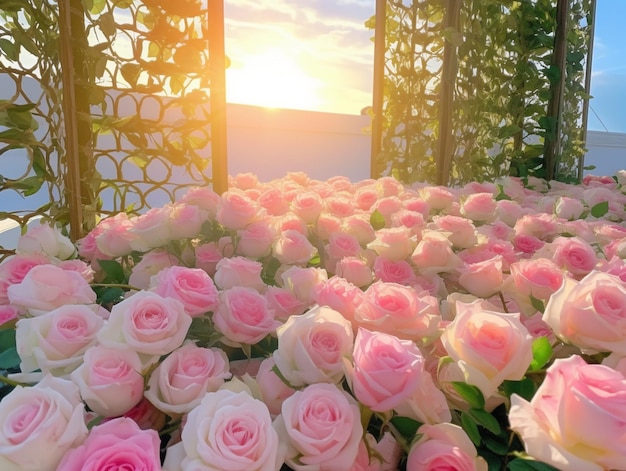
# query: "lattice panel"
[[152, 131], [31, 133]]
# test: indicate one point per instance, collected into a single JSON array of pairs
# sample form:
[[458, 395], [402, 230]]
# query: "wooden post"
[[552, 143], [217, 70], [73, 176], [446, 102], [378, 92], [585, 115]]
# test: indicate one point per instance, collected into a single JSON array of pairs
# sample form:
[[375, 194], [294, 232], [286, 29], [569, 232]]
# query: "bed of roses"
[[324, 326]]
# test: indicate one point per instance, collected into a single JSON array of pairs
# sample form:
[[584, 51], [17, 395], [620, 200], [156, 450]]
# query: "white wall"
[[272, 142]]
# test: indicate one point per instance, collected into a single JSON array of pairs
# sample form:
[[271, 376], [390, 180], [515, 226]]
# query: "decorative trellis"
[[113, 105], [473, 89]]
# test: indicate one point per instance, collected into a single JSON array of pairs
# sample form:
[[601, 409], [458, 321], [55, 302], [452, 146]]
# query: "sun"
[[272, 79]]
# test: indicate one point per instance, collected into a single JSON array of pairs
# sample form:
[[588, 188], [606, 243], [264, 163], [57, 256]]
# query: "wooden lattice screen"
[[109, 105]]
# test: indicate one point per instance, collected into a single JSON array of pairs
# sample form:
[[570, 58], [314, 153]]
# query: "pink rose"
[[479, 207], [180, 381], [307, 206], [80, 267], [540, 225], [273, 201], [322, 428], [339, 294], [239, 272], [394, 243], [255, 241], [366, 197], [390, 271], [46, 287], [590, 313], [47, 240], [527, 244], [302, 281], [284, 303], [208, 255], [489, 347], [311, 347], [39, 425], [146, 323], [482, 279], [412, 220], [576, 418], [339, 206], [434, 254], [340, 245], [150, 230], [538, 278], [243, 316], [109, 380], [193, 287], [386, 371], [112, 237], [444, 446], [568, 208], [227, 430], [575, 255], [186, 221], [460, 231], [359, 226], [244, 181], [387, 206], [203, 197], [327, 224], [8, 313], [56, 341], [293, 248], [510, 212], [273, 389], [116, 444], [15, 268], [355, 270], [236, 210], [150, 264], [398, 310]]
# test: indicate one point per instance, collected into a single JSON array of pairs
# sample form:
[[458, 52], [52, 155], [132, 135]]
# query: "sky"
[[318, 55]]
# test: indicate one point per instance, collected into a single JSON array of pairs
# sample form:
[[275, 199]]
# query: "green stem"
[[10, 382], [115, 285]]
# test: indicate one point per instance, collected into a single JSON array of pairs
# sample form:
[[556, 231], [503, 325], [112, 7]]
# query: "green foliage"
[[501, 91]]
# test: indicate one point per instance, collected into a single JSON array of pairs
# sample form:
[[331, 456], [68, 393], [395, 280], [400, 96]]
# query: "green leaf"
[[524, 388], [111, 296], [377, 220], [537, 304], [470, 427], [472, 395], [600, 209], [519, 464], [486, 420], [113, 271], [11, 50], [9, 358], [542, 352], [7, 339], [406, 426]]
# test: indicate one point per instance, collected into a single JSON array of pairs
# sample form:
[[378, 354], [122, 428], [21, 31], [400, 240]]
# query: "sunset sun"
[[271, 79]]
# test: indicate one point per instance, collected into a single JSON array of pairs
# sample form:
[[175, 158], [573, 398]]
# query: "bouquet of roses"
[[324, 326]]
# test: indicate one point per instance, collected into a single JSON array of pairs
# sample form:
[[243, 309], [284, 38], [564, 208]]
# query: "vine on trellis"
[[140, 83], [501, 91]]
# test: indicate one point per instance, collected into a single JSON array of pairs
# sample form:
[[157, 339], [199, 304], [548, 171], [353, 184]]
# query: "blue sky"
[[317, 55], [608, 80]]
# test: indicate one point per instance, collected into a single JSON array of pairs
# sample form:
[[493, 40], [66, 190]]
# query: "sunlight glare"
[[273, 80]]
